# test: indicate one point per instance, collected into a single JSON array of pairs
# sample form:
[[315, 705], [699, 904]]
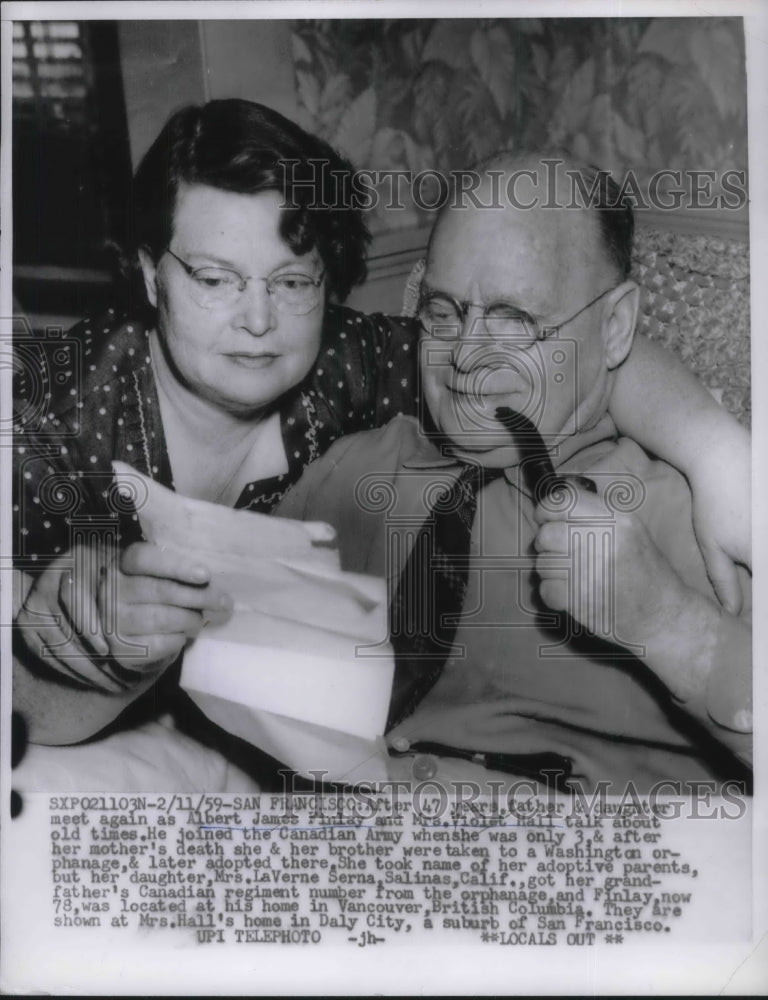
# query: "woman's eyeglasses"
[[443, 317], [290, 292]]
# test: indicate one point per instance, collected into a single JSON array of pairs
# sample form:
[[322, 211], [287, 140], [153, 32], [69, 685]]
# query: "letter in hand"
[[109, 621]]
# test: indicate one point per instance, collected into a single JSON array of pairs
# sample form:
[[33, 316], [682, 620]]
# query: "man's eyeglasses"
[[443, 317], [290, 292]]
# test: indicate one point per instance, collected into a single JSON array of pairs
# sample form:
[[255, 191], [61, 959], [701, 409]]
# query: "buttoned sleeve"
[[80, 400], [661, 498], [57, 457]]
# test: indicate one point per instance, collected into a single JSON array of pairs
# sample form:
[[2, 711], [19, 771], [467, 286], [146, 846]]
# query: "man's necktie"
[[424, 613]]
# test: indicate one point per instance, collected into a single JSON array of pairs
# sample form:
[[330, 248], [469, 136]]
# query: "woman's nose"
[[255, 311]]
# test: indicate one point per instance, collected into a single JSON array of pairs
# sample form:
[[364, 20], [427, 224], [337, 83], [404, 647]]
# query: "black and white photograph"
[[377, 498]]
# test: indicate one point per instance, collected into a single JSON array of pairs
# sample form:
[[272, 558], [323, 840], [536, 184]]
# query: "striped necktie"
[[424, 613]]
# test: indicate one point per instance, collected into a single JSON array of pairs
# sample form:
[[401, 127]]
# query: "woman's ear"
[[619, 321], [149, 270]]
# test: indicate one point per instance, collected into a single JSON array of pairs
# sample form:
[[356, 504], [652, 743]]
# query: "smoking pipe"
[[539, 473]]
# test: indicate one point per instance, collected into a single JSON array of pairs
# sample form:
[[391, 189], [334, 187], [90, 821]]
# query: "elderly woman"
[[238, 371]]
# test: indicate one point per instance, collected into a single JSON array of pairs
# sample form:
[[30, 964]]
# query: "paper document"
[[283, 672]]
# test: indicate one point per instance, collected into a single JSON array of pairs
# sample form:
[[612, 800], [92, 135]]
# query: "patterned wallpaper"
[[640, 93]]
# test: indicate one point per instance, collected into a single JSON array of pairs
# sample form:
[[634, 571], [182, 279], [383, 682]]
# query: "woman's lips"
[[256, 361]]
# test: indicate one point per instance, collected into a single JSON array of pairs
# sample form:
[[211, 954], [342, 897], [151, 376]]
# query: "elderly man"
[[590, 637]]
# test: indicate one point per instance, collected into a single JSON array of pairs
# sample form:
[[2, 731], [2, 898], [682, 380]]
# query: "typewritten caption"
[[367, 870]]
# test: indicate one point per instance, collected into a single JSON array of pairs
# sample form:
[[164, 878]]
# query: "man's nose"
[[473, 341], [255, 311]]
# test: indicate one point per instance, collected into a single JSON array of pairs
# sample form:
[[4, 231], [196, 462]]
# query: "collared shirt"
[[524, 679]]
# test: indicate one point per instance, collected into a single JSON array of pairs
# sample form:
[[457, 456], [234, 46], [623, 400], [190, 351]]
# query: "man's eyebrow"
[[501, 297]]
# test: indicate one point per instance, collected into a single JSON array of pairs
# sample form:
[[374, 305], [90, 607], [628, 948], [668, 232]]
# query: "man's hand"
[[111, 624], [607, 573]]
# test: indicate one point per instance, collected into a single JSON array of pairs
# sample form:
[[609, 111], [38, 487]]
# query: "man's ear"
[[149, 270], [619, 323]]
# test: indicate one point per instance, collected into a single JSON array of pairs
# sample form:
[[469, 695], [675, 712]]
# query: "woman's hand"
[[663, 406], [112, 624], [722, 517]]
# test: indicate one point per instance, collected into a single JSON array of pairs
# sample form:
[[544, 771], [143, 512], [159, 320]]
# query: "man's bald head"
[[554, 180]]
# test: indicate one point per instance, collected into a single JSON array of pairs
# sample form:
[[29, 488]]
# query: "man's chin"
[[491, 448], [502, 457], [474, 430]]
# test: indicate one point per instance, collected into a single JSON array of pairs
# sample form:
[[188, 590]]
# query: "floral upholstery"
[[695, 301]]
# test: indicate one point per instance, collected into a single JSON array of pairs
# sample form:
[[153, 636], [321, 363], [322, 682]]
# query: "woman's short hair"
[[240, 146]]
